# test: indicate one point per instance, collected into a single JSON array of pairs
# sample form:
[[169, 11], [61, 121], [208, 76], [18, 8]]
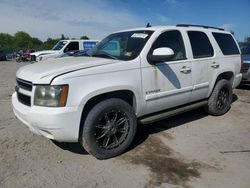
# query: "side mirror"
[[161, 54]]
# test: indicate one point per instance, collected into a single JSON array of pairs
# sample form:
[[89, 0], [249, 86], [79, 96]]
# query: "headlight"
[[51, 96]]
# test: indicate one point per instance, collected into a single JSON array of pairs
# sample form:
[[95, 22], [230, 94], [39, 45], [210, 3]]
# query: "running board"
[[171, 112]]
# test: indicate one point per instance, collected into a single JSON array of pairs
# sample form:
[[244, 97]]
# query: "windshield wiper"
[[104, 55], [86, 54]]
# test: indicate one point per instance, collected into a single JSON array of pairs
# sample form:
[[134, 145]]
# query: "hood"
[[44, 52], [44, 72]]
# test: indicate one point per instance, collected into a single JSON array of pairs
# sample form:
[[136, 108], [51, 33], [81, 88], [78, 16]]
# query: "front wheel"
[[220, 100], [109, 128]]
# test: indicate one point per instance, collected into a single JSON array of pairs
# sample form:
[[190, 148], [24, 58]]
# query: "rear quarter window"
[[226, 43]]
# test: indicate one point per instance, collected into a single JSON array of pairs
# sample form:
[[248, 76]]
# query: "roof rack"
[[203, 26]]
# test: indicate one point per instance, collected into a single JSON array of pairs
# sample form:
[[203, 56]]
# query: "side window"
[[226, 43], [173, 40], [72, 46], [200, 44]]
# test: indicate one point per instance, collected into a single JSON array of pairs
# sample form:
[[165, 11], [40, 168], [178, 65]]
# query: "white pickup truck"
[[143, 74], [63, 46]]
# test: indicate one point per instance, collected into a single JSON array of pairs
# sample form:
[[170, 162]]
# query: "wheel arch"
[[227, 75], [125, 94]]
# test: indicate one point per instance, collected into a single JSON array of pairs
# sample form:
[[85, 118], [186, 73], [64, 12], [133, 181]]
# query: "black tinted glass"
[[226, 43], [173, 40], [245, 49], [73, 46], [201, 45]]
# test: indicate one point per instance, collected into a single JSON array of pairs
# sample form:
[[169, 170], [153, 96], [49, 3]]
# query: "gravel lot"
[[188, 150]]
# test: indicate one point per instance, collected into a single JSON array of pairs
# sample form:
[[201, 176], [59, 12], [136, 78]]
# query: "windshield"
[[59, 45], [122, 46]]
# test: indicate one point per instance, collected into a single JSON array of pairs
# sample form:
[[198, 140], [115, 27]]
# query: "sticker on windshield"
[[139, 35]]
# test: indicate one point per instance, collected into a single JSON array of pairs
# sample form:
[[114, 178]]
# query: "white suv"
[[143, 74]]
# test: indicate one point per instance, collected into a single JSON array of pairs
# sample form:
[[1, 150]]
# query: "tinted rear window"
[[245, 48], [201, 45], [226, 43]]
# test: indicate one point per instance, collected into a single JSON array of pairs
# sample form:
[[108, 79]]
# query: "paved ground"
[[190, 150]]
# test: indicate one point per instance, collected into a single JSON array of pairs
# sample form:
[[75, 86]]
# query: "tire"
[[109, 128], [221, 98]]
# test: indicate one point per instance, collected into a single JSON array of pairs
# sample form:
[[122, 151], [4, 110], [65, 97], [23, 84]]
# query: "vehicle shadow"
[[244, 87], [72, 147], [144, 131], [235, 98]]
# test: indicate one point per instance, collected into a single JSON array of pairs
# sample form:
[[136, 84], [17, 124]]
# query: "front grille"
[[32, 58], [24, 99], [24, 84]]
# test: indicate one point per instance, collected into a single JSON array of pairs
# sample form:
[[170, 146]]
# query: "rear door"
[[203, 58]]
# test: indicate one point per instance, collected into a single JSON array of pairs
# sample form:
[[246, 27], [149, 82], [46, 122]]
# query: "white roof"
[[82, 40], [160, 28]]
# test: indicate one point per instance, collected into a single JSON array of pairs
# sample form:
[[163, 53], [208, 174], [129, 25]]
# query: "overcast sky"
[[97, 18]]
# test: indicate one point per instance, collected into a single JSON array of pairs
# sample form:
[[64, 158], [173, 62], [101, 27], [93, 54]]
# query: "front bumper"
[[60, 124]]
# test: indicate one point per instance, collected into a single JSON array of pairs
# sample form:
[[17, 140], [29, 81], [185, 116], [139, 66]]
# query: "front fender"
[[97, 92]]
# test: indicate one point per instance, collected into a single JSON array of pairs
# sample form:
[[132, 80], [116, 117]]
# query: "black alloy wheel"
[[109, 128], [112, 129], [223, 97]]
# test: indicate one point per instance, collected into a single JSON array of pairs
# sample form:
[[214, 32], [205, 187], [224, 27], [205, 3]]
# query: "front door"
[[167, 84]]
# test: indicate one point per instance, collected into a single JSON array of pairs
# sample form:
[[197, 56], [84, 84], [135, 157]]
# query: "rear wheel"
[[220, 100], [109, 128]]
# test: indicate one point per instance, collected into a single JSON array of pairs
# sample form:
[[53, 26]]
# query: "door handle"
[[215, 65], [185, 70]]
